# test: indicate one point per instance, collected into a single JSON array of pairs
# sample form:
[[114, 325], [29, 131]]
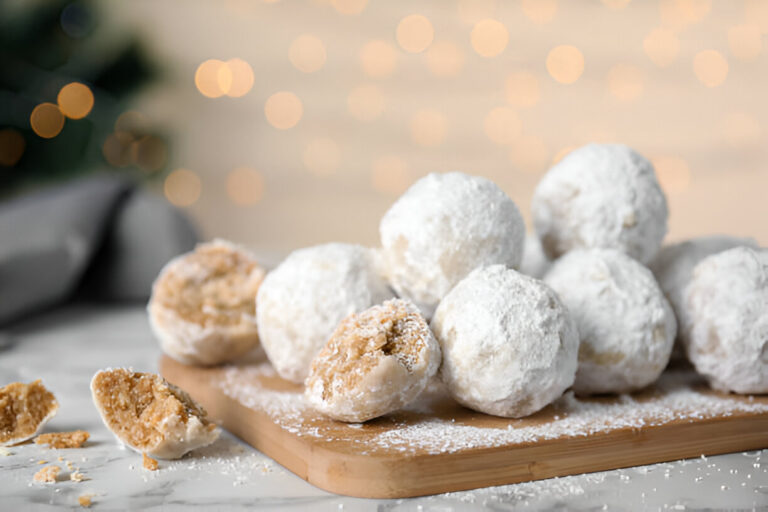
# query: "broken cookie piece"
[[24, 409], [150, 415], [57, 440], [148, 462], [47, 475]]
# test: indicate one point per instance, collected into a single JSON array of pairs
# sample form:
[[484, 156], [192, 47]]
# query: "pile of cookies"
[[596, 306]]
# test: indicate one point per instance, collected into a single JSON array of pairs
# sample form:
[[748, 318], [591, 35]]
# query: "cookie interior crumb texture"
[[84, 500], [24, 409], [375, 362], [148, 462], [47, 475], [150, 415], [57, 440]]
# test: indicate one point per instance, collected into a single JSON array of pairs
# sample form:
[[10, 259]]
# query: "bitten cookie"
[[202, 308], [626, 326], [726, 323], [24, 409], [601, 196], [149, 415], [376, 362], [509, 345]]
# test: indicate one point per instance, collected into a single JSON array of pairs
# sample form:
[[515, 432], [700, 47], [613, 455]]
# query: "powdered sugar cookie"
[[601, 196], [202, 308], [375, 362], [626, 326], [24, 409], [509, 345], [303, 300], [149, 415], [726, 323], [442, 228]]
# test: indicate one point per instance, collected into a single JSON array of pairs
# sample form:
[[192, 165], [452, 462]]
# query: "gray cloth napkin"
[[100, 237]]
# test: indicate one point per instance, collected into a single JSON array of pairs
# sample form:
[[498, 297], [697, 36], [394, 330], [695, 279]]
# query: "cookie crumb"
[[76, 476], [149, 463], [5, 452], [41, 462], [73, 439], [48, 474], [85, 500]]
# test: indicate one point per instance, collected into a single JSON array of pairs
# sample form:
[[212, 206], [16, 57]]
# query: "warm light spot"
[[565, 64], [428, 128], [12, 145], [132, 122], [444, 59], [489, 37], [661, 45], [245, 186], [389, 174], [322, 156], [529, 154], [539, 11], [625, 82], [209, 77], [149, 153], [307, 53], [745, 42], [349, 7], [673, 173], [240, 79], [710, 67], [415, 33], [378, 58], [182, 187], [616, 4], [502, 125], [365, 103], [75, 100], [741, 130], [677, 14], [283, 110], [756, 11], [46, 120], [472, 11], [562, 153], [117, 149], [522, 89]]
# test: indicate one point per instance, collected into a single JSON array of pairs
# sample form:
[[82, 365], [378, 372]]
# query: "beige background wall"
[[682, 81]]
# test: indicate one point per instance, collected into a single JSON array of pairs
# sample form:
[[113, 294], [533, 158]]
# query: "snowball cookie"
[[626, 326], [302, 301], [150, 415], [376, 362], [509, 345], [202, 307], [442, 228], [727, 320], [535, 263], [601, 195]]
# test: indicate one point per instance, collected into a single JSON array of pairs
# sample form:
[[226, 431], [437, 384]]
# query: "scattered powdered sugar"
[[420, 429]]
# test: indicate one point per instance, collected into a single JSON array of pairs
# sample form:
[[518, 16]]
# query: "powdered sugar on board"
[[434, 424]]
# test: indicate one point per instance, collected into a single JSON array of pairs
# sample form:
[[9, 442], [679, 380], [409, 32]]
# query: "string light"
[[75, 100], [414, 33], [240, 78], [182, 187], [522, 89], [12, 145], [208, 78], [378, 58], [245, 186], [365, 103], [489, 38], [662, 46], [46, 120], [307, 53], [565, 64], [444, 59], [710, 67], [322, 156], [283, 110], [502, 125], [428, 128]]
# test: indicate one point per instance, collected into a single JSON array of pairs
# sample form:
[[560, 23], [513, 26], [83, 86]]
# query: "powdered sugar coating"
[[626, 326], [535, 263], [301, 302], [601, 195], [376, 362], [442, 228], [727, 320], [202, 304], [509, 345]]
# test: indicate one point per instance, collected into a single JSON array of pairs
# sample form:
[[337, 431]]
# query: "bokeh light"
[[741, 130], [615, 4], [625, 82], [307, 53], [132, 121], [710, 67], [489, 37], [12, 145], [678, 14], [240, 79], [322, 156], [149, 153], [75, 100], [209, 77], [283, 110], [522, 89], [745, 42], [662, 46], [389, 174], [472, 11], [414, 33], [529, 154], [365, 103], [539, 11], [562, 153], [756, 11], [349, 7], [378, 58], [428, 128], [46, 120], [117, 149], [565, 64], [245, 186], [182, 187], [502, 125], [444, 59], [673, 173]]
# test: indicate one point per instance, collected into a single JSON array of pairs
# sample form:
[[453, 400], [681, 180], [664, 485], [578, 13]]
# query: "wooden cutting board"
[[437, 446]]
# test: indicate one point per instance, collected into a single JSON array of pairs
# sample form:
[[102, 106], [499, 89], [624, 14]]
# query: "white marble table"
[[67, 346]]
